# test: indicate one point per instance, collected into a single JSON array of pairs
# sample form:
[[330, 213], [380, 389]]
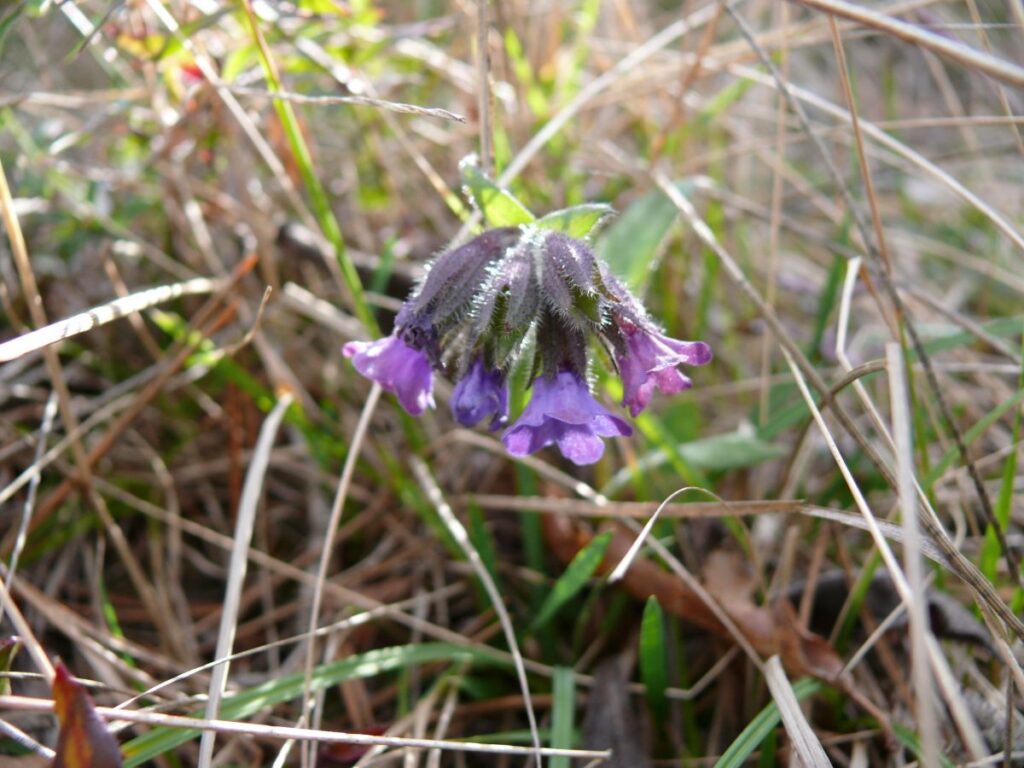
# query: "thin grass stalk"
[[963, 567], [66, 410], [996, 68], [627, 560], [483, 96], [881, 253], [461, 536], [805, 742], [24, 630], [920, 629], [244, 525], [896, 573], [263, 149], [321, 206], [284, 732], [49, 413], [938, 662], [337, 508], [101, 315], [21, 738]]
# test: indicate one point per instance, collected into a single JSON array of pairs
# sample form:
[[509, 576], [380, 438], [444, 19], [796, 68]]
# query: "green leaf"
[[580, 221], [759, 728], [323, 7], [499, 207], [6, 22], [732, 450], [826, 303], [990, 549], [632, 243], [483, 541], [973, 434], [653, 668], [724, 99], [909, 739], [38, 8], [563, 712], [237, 61], [9, 647], [576, 576], [247, 703]]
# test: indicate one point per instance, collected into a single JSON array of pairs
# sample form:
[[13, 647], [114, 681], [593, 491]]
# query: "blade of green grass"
[[247, 703], [575, 578], [909, 739], [990, 549], [563, 712], [318, 197], [653, 668], [759, 728], [483, 541], [972, 434]]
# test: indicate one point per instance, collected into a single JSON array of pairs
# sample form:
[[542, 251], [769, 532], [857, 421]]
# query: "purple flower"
[[650, 361], [563, 411], [480, 393], [398, 368]]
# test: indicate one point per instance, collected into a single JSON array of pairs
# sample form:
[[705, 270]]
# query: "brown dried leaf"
[[84, 740], [769, 631]]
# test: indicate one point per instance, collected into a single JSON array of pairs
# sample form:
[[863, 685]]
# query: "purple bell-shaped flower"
[[562, 411], [398, 368], [649, 363], [482, 392]]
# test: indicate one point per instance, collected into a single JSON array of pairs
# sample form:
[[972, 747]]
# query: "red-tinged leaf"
[[84, 740]]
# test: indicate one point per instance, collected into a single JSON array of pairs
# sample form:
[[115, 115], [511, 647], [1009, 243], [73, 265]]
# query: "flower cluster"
[[530, 294]]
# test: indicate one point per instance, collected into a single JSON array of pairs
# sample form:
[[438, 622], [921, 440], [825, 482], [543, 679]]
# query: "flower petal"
[[398, 368], [479, 394], [650, 362], [579, 445], [563, 411]]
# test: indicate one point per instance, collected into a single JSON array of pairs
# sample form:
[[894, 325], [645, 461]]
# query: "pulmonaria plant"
[[533, 292]]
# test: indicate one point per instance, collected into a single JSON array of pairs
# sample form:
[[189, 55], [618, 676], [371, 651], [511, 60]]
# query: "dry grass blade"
[[818, 178], [210, 317], [97, 316], [657, 43], [33, 488], [917, 607], [461, 536], [284, 732], [483, 85], [326, 101], [24, 630], [1004, 71], [244, 525], [806, 744], [895, 572], [963, 567], [627, 560], [337, 508]]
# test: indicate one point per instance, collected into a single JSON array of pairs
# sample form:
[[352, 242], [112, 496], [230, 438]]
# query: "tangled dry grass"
[[203, 200]]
